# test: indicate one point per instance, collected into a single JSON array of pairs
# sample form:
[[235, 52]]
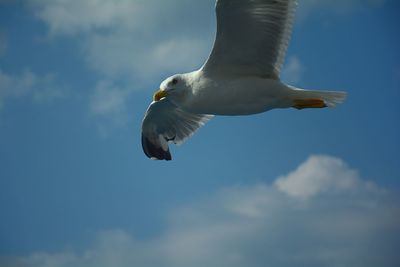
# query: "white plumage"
[[241, 76]]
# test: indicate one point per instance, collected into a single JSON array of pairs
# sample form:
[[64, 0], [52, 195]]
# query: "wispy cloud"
[[293, 70], [107, 99], [108, 105], [41, 89], [341, 221]]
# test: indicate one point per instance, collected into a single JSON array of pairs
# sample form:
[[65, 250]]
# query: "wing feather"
[[252, 37], [163, 123]]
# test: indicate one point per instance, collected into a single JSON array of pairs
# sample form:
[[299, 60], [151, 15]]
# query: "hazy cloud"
[[107, 99], [341, 222], [108, 106], [41, 89], [293, 70]]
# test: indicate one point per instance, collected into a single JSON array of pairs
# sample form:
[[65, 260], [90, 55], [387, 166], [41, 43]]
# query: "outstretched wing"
[[164, 122], [252, 37]]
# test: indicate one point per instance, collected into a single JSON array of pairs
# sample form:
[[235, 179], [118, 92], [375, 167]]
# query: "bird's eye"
[[174, 81]]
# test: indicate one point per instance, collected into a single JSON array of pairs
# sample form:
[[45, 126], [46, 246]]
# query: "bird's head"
[[173, 87]]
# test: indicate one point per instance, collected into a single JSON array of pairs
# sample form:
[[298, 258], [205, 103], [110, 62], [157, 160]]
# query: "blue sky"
[[283, 188]]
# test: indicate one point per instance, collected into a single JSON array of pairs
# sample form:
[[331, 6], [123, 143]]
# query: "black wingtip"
[[153, 151]]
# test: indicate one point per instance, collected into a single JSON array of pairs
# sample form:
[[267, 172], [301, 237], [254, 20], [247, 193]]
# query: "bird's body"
[[225, 95], [241, 76]]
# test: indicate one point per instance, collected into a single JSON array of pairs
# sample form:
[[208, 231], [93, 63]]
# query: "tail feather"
[[330, 98]]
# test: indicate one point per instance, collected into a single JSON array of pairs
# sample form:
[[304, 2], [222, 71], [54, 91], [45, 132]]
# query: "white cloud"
[[128, 38], [120, 54], [41, 89], [70, 17], [176, 54], [263, 225], [317, 175]]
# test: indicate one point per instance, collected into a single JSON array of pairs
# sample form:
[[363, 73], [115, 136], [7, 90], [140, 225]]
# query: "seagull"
[[240, 77]]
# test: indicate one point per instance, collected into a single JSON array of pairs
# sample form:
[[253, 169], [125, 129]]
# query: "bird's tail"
[[316, 99]]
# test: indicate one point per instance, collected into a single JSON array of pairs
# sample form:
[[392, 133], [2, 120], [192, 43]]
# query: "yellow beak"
[[159, 94]]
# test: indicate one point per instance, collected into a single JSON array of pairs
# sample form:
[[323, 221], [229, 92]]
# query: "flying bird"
[[240, 77]]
